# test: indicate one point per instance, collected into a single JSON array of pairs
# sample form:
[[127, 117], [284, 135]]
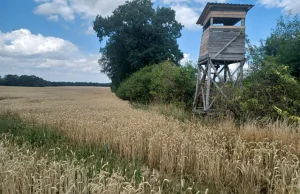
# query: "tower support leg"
[[208, 85], [212, 79]]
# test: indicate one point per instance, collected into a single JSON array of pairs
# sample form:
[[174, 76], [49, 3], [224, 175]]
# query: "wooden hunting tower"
[[222, 44]]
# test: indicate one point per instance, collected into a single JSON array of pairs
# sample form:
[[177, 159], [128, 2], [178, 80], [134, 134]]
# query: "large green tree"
[[137, 35], [284, 43]]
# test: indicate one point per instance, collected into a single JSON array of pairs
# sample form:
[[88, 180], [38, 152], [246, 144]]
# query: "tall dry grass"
[[245, 160]]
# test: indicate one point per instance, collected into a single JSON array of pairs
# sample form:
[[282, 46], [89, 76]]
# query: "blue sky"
[[54, 39]]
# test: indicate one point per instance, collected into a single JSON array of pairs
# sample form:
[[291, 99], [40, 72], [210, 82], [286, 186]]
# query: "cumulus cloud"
[[91, 8], [22, 43], [187, 11], [68, 9], [287, 5], [22, 52], [56, 7], [187, 16]]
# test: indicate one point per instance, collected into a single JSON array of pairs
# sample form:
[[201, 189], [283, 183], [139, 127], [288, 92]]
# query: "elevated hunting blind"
[[222, 52]]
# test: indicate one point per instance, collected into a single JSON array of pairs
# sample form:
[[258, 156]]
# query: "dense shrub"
[[271, 92], [162, 82], [271, 87], [137, 87]]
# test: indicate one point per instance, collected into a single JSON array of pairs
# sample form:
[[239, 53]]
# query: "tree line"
[[34, 81], [141, 56]]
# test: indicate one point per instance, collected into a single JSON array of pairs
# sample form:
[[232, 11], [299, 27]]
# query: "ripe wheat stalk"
[[249, 160]]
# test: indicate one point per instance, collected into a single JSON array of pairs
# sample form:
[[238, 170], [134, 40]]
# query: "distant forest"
[[34, 81]]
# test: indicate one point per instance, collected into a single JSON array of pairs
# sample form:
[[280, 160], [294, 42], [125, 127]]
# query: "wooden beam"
[[229, 73], [224, 14], [243, 22], [220, 88], [201, 91], [203, 98], [221, 91], [197, 93], [225, 73], [225, 27], [216, 72], [240, 75], [222, 69], [201, 86], [208, 83]]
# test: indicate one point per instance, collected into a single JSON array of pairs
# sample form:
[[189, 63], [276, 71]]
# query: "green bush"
[[137, 87], [164, 83], [271, 92]]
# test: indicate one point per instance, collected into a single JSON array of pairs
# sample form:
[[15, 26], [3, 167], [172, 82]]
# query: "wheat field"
[[248, 159], [22, 173]]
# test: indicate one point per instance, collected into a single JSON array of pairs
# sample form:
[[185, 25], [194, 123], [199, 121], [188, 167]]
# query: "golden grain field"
[[244, 160], [22, 173]]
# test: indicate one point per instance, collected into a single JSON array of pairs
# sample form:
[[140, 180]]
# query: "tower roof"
[[224, 7]]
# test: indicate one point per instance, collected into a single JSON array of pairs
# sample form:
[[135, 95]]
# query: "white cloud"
[[22, 52], [67, 9], [287, 5], [91, 8], [272, 3], [186, 58], [90, 30], [53, 18], [56, 7], [188, 11], [206, 1], [88, 9], [173, 1], [22, 43], [187, 16]]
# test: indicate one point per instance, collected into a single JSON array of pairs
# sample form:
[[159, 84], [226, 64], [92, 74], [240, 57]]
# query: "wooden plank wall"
[[204, 43], [219, 37]]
